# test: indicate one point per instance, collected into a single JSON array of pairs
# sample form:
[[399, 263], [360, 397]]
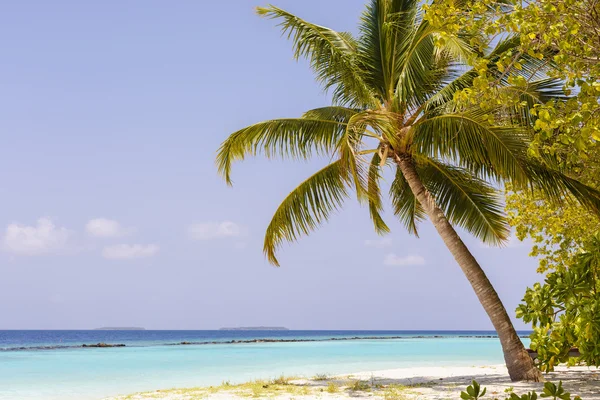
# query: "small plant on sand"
[[332, 387], [282, 380], [360, 386], [394, 392], [320, 377], [551, 391]]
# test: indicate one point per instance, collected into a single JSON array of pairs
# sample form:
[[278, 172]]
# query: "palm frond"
[[332, 113], [318, 131], [532, 69], [350, 151], [384, 26], [406, 206], [415, 68], [374, 189], [424, 66], [332, 56], [306, 208], [537, 92], [558, 187], [467, 201], [470, 141]]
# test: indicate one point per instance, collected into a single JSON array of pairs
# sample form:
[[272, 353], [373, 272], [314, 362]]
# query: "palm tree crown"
[[396, 83]]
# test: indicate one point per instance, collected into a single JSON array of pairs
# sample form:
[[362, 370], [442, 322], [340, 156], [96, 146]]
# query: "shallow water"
[[151, 361]]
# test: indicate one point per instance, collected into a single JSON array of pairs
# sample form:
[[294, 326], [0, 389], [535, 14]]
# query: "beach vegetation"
[[394, 392], [332, 387], [565, 311], [359, 386], [551, 391], [321, 377], [564, 33], [281, 380], [404, 104]]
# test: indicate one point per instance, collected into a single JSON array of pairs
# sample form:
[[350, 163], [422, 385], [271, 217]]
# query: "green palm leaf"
[[467, 201], [406, 206], [332, 56], [374, 191], [318, 131], [306, 207], [533, 69], [469, 140], [384, 26], [558, 187]]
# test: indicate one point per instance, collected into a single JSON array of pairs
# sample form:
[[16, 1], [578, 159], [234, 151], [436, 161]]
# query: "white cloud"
[[43, 238], [215, 230], [129, 251], [380, 243], [106, 228], [395, 260]]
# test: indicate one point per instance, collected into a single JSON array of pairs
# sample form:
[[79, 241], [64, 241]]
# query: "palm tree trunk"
[[519, 363]]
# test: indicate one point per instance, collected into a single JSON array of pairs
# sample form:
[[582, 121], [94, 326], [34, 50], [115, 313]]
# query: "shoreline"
[[423, 383]]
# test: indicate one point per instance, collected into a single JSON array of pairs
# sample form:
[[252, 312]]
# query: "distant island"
[[256, 328], [127, 328]]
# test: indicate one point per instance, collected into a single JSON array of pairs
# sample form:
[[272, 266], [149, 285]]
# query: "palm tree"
[[393, 87]]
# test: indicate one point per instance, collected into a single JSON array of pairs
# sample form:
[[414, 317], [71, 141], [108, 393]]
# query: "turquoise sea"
[[46, 365]]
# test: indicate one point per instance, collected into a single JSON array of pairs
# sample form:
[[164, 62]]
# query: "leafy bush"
[[332, 387], [360, 386], [321, 377], [565, 311], [551, 391]]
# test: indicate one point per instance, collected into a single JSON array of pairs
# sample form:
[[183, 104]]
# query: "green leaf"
[[375, 204], [306, 207], [332, 56], [467, 201], [406, 206], [297, 138]]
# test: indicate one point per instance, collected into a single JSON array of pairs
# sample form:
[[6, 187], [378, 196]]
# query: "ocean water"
[[46, 365]]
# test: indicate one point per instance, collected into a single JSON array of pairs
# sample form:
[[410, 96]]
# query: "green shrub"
[[332, 387], [551, 391], [360, 386], [321, 377]]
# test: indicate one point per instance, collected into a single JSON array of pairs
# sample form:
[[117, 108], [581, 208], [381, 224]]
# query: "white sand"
[[423, 383]]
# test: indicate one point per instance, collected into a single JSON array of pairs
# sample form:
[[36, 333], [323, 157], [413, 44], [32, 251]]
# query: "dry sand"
[[424, 383]]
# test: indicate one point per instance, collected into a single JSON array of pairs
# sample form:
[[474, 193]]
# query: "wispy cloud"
[[379, 243], [43, 238], [395, 260], [215, 230], [129, 251], [106, 228]]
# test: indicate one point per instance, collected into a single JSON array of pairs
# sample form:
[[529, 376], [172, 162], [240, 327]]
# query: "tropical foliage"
[[402, 101], [565, 311], [550, 391], [563, 34]]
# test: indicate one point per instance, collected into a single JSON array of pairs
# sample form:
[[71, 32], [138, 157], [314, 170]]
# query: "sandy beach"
[[395, 384]]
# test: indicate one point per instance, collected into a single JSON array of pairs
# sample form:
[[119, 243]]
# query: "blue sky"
[[112, 210]]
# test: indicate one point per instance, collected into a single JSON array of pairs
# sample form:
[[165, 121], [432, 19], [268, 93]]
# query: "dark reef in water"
[[305, 340], [249, 341], [62, 347]]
